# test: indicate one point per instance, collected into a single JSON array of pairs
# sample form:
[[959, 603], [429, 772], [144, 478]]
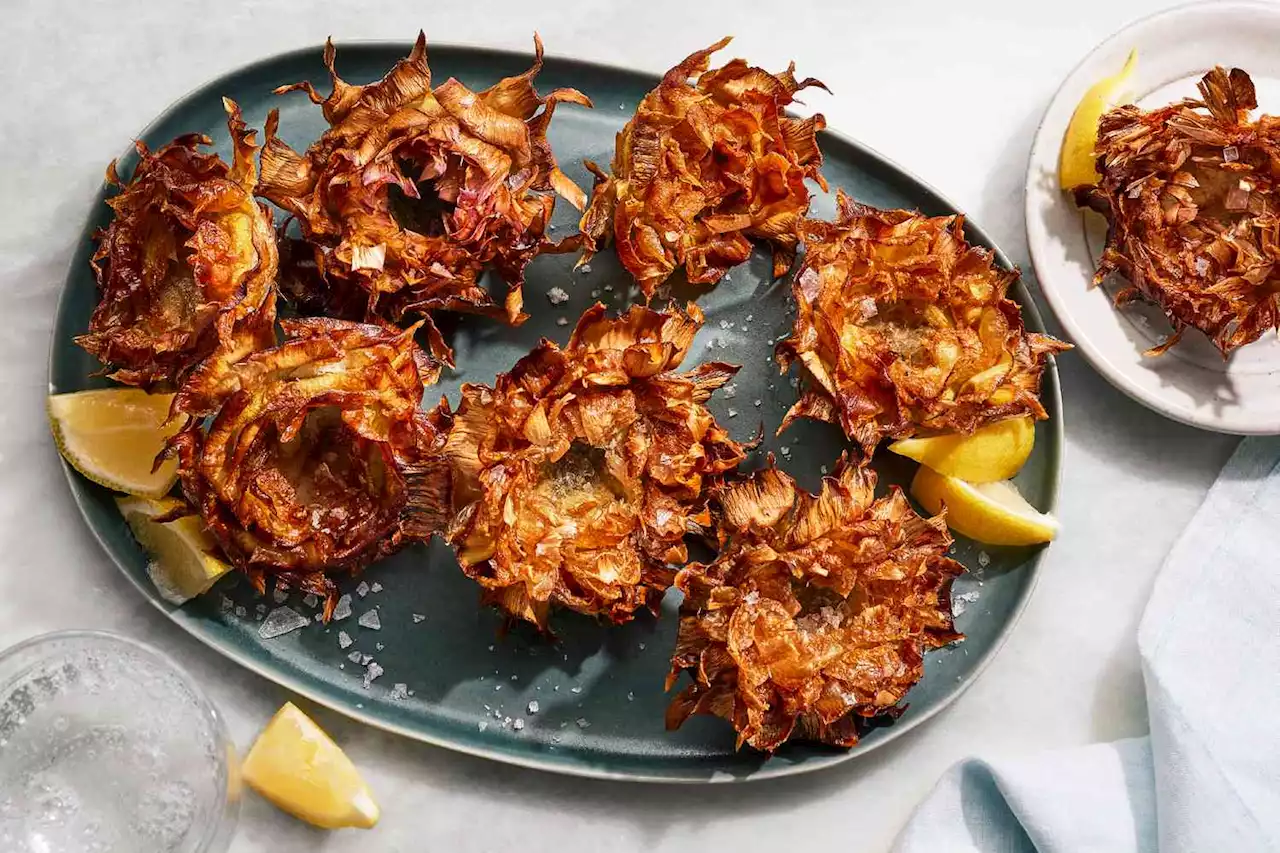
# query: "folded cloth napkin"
[[1208, 776]]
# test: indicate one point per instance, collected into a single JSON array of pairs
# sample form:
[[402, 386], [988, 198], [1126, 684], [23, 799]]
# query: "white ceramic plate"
[[1191, 383]]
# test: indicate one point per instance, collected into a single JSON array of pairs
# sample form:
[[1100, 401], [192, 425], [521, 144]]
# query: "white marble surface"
[[952, 91]]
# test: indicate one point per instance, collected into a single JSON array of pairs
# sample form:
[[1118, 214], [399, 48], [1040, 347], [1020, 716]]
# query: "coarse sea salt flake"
[[281, 621], [369, 619]]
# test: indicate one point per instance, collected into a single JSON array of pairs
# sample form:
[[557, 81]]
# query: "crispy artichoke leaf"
[[186, 269], [577, 475], [708, 163], [319, 457], [815, 615], [903, 327], [415, 191], [1188, 192]]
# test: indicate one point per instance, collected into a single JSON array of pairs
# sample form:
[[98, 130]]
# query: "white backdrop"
[[952, 91]]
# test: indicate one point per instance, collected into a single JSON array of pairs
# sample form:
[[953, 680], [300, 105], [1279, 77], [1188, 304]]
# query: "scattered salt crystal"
[[733, 413], [359, 704], [575, 690], [758, 403], [984, 559], [378, 647], [482, 725], [725, 324], [730, 391], [418, 617], [532, 707], [280, 595], [369, 619], [281, 621], [556, 688], [562, 321], [786, 451], [608, 288], [794, 382], [585, 269], [595, 294], [1202, 266], [723, 343], [960, 602], [240, 611], [642, 647], [375, 587], [515, 678], [343, 608], [497, 687], [344, 639], [1230, 154], [365, 660], [750, 317], [557, 296], [622, 106], [362, 590], [822, 468], [631, 696], [490, 647], [311, 600], [582, 723], [260, 609], [354, 657], [750, 598], [552, 227], [399, 691], [518, 724]]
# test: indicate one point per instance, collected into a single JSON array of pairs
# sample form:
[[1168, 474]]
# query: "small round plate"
[[1191, 383], [593, 702]]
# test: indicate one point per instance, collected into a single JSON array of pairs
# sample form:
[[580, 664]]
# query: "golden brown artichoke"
[[577, 475], [1188, 192], [902, 327], [414, 191], [319, 458], [815, 616], [703, 168], [187, 267]]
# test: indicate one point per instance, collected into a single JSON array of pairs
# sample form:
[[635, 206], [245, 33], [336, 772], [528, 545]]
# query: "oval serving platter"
[[448, 678]]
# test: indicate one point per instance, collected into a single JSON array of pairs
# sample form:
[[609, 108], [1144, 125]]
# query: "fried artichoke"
[[319, 457], [1187, 190], [703, 168], [903, 328], [814, 617], [578, 474], [412, 192], [187, 266]]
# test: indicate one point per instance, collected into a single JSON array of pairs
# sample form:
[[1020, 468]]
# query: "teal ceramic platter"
[[447, 677]]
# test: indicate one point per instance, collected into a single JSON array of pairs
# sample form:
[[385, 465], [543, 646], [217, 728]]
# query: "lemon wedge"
[[112, 436], [296, 766], [1078, 165], [994, 513], [994, 452], [182, 564]]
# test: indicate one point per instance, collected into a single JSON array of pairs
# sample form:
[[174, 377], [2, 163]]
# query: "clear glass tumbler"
[[108, 746]]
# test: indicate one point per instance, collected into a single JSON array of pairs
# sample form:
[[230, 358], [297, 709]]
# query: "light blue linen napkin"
[[1207, 778]]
